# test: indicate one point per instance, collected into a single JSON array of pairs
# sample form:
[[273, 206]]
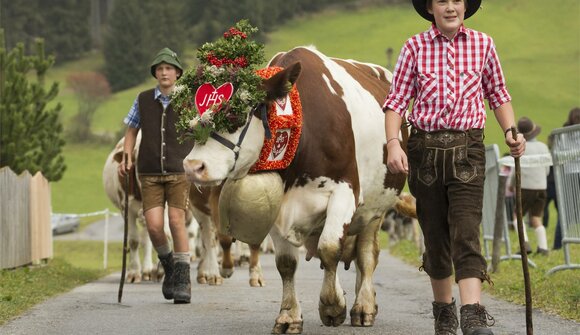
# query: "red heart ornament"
[[207, 95]]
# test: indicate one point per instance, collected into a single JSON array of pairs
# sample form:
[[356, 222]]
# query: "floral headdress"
[[219, 94]]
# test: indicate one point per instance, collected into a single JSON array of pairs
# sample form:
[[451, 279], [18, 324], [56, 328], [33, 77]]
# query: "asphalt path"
[[403, 297]]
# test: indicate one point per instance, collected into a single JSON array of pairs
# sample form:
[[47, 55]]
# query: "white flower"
[[193, 122], [178, 88], [215, 71], [245, 96], [207, 117]]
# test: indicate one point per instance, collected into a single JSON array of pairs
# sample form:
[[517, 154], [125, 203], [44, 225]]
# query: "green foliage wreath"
[[232, 58]]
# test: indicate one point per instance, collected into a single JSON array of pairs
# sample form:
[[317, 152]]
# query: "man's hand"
[[517, 146], [397, 159]]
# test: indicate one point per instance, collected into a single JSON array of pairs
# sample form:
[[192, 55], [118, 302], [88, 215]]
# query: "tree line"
[[35, 34], [129, 32]]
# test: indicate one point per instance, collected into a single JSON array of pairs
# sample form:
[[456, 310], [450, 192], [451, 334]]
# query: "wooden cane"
[[126, 228], [523, 251]]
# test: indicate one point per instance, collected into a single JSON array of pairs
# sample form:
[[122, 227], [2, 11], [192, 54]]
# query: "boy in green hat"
[[160, 169], [449, 70]]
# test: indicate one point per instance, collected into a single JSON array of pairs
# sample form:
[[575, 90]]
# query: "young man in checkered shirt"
[[449, 70]]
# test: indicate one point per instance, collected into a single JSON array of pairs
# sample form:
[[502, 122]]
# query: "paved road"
[[236, 308]]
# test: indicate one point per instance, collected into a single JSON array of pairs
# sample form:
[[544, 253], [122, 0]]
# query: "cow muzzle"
[[197, 172]]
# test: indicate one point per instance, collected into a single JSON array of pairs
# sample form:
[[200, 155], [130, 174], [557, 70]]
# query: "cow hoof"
[[226, 272], [215, 281], [256, 277], [146, 276], [257, 282], [133, 278], [360, 318], [288, 328], [201, 280], [331, 315]]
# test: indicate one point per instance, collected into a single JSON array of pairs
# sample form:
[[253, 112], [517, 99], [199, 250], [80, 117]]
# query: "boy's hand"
[[517, 146], [121, 169], [396, 158]]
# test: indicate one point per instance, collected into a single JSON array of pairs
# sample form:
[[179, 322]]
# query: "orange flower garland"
[[277, 122]]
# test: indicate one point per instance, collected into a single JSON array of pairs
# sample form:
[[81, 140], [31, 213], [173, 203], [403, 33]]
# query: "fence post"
[[105, 239]]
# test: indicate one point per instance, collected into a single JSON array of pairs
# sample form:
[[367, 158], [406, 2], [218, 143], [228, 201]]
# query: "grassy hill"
[[538, 43]]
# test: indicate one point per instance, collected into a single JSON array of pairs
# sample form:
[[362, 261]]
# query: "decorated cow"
[[300, 151]]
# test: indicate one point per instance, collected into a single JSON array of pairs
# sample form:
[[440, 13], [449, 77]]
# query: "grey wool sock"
[[182, 257], [163, 250]]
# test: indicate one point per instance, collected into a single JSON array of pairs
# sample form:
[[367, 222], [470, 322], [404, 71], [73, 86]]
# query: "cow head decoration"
[[232, 154]]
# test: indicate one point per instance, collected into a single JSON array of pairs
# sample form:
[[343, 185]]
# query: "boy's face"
[[166, 75], [448, 15]]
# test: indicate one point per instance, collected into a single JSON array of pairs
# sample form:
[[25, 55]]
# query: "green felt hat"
[[168, 56]]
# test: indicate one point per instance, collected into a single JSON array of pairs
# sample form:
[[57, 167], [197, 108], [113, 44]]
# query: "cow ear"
[[280, 84]]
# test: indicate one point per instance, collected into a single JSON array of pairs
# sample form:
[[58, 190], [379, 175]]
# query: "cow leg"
[[227, 268], [134, 273], [332, 304], [192, 234], [364, 309], [208, 268], [147, 251], [256, 276], [289, 320]]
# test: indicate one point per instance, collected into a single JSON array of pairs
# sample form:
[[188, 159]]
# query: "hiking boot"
[[528, 249], [181, 283], [445, 318], [475, 320], [542, 252], [168, 267]]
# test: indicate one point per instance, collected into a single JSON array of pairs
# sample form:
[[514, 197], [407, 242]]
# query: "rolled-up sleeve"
[[403, 85], [133, 119], [493, 81]]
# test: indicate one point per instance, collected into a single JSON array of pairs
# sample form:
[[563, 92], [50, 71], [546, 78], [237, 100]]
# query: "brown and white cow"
[[137, 233], [337, 189]]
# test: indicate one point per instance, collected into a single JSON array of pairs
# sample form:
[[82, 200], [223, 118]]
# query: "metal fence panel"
[[490, 196], [566, 158]]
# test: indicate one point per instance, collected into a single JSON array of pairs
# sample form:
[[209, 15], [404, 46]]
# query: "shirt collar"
[[434, 32], [158, 94]]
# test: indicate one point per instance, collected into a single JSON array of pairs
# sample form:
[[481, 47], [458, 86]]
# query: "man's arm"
[[128, 146], [397, 159]]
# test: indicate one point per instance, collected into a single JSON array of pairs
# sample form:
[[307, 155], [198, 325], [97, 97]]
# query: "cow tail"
[[406, 206]]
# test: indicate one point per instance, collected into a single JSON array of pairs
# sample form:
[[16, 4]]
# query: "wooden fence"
[[25, 227]]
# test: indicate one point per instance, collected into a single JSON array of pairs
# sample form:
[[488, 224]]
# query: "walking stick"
[[125, 230], [523, 251]]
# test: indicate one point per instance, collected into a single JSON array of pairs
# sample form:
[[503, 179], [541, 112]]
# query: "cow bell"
[[249, 206]]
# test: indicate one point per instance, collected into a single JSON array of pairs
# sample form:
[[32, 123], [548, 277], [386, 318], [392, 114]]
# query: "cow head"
[[232, 155]]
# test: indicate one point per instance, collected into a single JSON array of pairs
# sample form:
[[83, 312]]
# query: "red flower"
[[234, 32]]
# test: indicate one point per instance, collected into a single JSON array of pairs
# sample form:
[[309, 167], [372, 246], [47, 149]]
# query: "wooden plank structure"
[[25, 228]]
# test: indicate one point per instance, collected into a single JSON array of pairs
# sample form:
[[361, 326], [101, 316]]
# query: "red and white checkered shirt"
[[448, 79]]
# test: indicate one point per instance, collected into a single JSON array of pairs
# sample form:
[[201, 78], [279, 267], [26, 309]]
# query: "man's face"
[[166, 74], [449, 15]]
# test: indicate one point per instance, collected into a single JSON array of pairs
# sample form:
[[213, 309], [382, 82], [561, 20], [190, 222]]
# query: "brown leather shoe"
[[445, 318], [475, 320], [181, 283], [167, 286]]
